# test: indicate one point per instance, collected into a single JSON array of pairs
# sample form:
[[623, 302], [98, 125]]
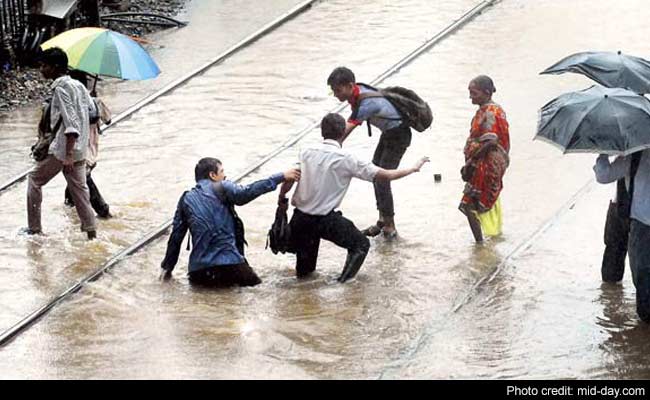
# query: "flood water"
[[414, 310]]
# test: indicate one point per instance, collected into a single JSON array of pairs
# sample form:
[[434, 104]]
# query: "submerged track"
[[34, 316], [265, 30]]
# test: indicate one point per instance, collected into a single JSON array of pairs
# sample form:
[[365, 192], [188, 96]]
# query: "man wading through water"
[[217, 258], [326, 172], [395, 138], [69, 123]]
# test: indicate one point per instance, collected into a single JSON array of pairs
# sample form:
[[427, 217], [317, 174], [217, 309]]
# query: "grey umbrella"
[[614, 70], [596, 120]]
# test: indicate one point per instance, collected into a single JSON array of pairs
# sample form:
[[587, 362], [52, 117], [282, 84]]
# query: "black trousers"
[[617, 230], [639, 252], [388, 154], [222, 276], [307, 231], [96, 200]]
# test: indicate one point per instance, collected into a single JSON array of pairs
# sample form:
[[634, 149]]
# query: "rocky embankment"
[[24, 86]]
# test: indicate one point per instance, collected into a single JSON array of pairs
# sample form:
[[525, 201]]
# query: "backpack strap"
[[375, 94]]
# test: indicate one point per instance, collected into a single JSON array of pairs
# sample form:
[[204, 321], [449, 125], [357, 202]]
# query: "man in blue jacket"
[[217, 257]]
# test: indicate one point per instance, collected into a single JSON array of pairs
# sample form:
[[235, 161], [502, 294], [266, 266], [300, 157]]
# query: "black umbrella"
[[613, 70], [597, 120]]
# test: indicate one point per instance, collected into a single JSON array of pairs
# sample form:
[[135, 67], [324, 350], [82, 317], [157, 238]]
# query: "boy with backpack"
[[393, 111]]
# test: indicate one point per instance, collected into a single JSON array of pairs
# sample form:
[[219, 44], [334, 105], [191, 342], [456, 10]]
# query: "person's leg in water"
[[390, 150], [639, 253], [343, 233], [96, 200], [474, 224], [76, 180], [305, 241], [616, 237], [375, 229], [38, 177]]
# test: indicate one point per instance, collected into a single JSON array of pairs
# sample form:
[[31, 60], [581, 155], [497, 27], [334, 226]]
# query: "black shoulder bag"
[[45, 134], [626, 207]]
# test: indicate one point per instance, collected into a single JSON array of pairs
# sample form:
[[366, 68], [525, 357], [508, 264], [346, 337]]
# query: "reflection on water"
[[545, 315], [626, 347]]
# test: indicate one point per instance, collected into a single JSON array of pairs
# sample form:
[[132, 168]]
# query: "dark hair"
[[79, 76], [332, 126], [341, 76], [55, 57], [204, 167], [485, 83]]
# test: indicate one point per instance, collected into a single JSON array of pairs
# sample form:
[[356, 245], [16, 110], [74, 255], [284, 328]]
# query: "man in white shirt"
[[326, 172], [69, 122]]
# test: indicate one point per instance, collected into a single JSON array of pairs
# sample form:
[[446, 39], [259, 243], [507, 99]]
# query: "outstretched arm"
[[394, 174], [240, 195]]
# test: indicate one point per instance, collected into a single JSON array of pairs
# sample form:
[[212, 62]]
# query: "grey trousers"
[[639, 253], [42, 173]]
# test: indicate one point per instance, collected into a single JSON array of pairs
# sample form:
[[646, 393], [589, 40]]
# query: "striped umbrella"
[[101, 51]]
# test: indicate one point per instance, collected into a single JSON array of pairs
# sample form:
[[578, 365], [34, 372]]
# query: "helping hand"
[[292, 174]]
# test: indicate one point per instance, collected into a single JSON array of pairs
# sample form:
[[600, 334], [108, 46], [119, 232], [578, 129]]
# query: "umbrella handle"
[[95, 85]]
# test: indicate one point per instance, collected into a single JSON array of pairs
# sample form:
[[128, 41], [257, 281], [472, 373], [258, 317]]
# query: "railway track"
[[34, 316], [252, 38]]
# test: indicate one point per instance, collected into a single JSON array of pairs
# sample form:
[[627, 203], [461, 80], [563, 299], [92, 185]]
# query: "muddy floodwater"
[[421, 306]]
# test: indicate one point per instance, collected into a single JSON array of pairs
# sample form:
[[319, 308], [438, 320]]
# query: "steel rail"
[[528, 242], [489, 277], [33, 317], [300, 8], [109, 17], [140, 22]]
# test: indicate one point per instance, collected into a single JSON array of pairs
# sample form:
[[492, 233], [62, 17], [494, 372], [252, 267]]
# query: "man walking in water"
[[208, 212], [326, 172], [69, 123]]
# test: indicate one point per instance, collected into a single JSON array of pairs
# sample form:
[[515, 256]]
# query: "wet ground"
[[415, 309]]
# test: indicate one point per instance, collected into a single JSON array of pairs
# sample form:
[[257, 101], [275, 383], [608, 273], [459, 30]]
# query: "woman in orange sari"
[[486, 160]]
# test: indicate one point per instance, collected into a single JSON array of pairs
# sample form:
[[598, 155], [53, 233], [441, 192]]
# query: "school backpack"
[[408, 104]]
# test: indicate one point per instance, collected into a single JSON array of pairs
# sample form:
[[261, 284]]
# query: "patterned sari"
[[486, 160]]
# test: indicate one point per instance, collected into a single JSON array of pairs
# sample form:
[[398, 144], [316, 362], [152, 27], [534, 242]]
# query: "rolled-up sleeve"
[[363, 170], [607, 172]]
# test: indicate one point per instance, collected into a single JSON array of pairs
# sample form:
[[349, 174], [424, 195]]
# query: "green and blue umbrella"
[[101, 51]]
